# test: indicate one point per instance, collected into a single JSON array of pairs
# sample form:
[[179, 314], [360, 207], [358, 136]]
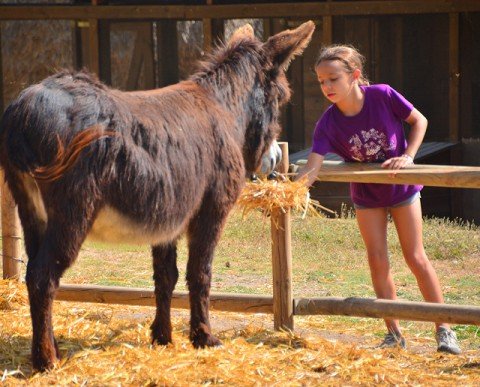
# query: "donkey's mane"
[[232, 62], [82, 79]]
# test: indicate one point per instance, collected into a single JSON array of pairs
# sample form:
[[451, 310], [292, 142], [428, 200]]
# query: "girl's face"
[[335, 82]]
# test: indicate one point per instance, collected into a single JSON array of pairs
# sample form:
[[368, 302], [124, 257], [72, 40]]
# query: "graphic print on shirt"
[[371, 145]]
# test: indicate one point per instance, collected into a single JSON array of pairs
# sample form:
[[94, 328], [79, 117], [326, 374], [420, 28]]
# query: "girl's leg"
[[408, 221], [372, 223]]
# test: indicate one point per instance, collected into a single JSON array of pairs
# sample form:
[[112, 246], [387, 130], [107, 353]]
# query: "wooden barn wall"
[[470, 198], [410, 53], [426, 72], [146, 55], [32, 50], [470, 75]]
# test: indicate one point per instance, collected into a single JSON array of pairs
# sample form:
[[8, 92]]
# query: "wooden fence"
[[282, 304]]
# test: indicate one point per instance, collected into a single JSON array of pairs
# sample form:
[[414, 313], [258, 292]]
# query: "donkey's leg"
[[204, 232], [41, 286], [165, 275], [32, 216], [59, 248]]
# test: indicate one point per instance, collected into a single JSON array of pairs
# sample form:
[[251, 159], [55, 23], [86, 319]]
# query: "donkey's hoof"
[[205, 340], [44, 360], [160, 335], [41, 364], [161, 340]]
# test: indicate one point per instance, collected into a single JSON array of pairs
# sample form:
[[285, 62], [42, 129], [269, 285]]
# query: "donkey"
[[142, 167]]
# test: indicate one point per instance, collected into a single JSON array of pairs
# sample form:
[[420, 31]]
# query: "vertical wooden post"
[[11, 245], [327, 39], [454, 70], [213, 29], [456, 195], [167, 48], [282, 260], [93, 45]]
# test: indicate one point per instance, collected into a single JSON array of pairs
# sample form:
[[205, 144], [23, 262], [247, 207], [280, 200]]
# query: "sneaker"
[[393, 340], [447, 341]]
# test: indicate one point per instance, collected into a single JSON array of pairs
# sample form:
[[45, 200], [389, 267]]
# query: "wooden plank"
[[167, 46], [213, 29], [277, 25], [104, 56], [232, 11], [93, 45], [11, 233], [207, 31], [267, 30], [388, 309], [313, 101], [250, 303], [428, 175], [327, 30], [398, 53], [295, 108], [469, 38], [1, 76], [454, 71], [136, 62], [142, 59], [282, 260]]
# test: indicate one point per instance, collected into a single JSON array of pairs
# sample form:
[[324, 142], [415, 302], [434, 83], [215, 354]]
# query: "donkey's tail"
[[67, 157]]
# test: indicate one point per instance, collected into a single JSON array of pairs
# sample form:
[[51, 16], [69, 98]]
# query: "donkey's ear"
[[243, 32], [284, 46]]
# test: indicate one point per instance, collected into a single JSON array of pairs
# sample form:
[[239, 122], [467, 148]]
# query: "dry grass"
[[269, 195], [110, 345]]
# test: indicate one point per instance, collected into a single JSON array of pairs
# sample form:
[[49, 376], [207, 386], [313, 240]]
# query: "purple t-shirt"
[[373, 135]]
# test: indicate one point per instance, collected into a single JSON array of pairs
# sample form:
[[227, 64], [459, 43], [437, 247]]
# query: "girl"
[[364, 124]]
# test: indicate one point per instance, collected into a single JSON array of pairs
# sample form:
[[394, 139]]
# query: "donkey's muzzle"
[[270, 159]]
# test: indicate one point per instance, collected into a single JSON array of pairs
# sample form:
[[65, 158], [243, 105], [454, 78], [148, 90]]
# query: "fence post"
[[282, 260], [11, 243]]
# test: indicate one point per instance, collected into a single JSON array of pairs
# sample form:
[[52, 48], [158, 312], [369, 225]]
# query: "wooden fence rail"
[[228, 302], [429, 175], [388, 309], [255, 303], [282, 304]]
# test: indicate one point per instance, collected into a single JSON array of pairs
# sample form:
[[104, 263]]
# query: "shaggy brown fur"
[[154, 165]]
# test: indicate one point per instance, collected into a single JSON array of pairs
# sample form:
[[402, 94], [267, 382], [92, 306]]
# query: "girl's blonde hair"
[[348, 55]]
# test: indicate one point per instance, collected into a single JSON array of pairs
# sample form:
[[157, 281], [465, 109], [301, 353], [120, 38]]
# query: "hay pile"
[[284, 194], [110, 345]]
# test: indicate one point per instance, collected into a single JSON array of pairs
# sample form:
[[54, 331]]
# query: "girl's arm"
[[311, 169], [418, 126]]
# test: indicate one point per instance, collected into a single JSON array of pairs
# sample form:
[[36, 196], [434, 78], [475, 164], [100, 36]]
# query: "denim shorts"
[[403, 203]]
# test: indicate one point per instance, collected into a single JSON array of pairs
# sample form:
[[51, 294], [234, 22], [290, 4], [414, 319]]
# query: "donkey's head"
[[270, 91], [248, 78]]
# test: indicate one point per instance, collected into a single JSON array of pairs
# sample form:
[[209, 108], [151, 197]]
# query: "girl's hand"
[[396, 163]]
